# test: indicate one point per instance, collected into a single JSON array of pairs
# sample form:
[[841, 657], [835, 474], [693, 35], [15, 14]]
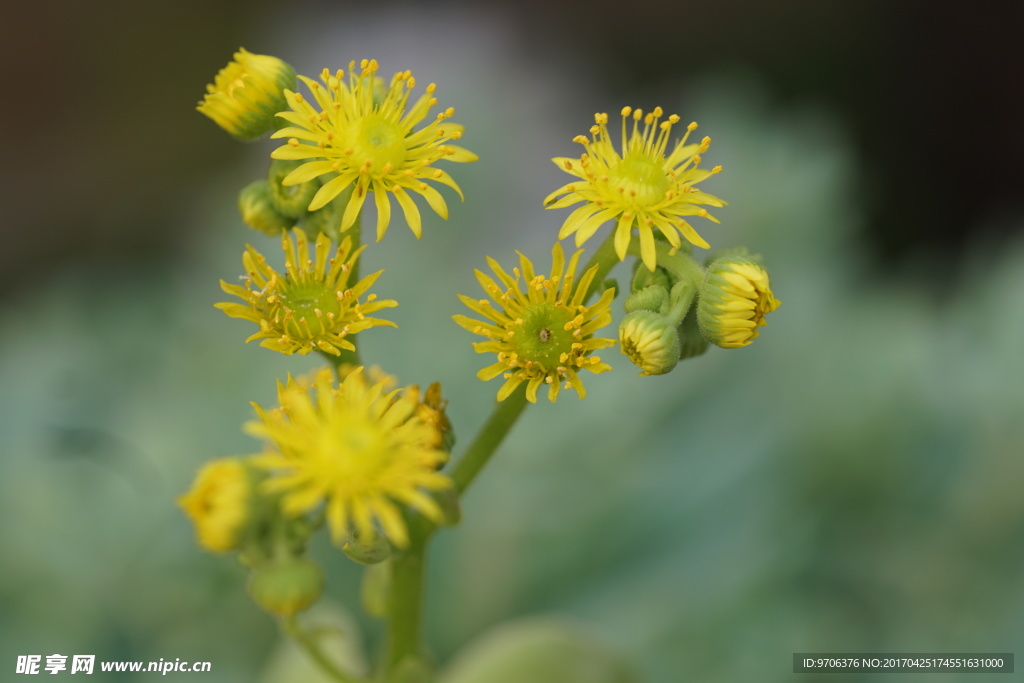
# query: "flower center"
[[643, 181], [380, 144], [309, 301], [542, 338], [350, 453]]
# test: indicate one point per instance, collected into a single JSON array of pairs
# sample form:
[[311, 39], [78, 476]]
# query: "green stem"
[[350, 357], [488, 439], [406, 599], [605, 259], [291, 627]]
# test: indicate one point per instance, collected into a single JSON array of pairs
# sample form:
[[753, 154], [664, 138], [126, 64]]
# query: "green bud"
[[372, 552], [734, 299], [650, 298], [645, 278], [286, 586], [289, 200], [258, 211], [650, 341]]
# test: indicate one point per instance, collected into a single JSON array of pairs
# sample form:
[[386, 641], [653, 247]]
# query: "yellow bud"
[[734, 299], [247, 94], [220, 504], [650, 341]]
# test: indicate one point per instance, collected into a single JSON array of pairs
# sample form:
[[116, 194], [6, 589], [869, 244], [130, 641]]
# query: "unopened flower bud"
[[247, 94], [431, 409], [258, 211], [289, 200], [650, 298], [734, 299], [650, 341], [286, 586], [220, 504]]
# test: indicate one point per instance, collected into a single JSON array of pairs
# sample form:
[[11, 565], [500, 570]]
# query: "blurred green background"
[[850, 483]]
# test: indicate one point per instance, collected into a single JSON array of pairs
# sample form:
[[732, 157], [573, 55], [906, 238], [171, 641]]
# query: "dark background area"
[[100, 147]]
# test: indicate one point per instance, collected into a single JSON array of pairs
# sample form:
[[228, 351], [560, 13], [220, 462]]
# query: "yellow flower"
[[356, 137], [734, 299], [247, 94], [354, 448], [542, 335], [641, 187], [309, 306], [218, 504]]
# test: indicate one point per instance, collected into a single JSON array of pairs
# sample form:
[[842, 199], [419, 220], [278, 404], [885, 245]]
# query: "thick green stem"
[[291, 627], [605, 259], [405, 605]]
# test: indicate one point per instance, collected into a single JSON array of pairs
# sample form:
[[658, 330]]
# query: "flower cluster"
[[345, 450]]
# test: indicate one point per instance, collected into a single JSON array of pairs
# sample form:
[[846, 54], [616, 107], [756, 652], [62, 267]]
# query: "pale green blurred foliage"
[[850, 482]]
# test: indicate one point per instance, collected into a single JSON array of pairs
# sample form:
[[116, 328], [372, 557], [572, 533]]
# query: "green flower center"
[[379, 142], [642, 180], [542, 338], [304, 299]]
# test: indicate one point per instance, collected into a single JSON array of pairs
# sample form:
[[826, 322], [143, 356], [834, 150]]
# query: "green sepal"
[[258, 211], [691, 341], [373, 552]]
